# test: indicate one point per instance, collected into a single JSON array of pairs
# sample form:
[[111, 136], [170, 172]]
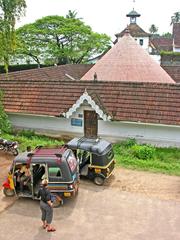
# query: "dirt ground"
[[149, 184]]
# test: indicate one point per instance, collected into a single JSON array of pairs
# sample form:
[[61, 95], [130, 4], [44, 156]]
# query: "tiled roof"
[[128, 61], [124, 101], [176, 34], [162, 43], [60, 72], [174, 72], [134, 30]]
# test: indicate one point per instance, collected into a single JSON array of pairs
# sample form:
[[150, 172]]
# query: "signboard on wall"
[[76, 122]]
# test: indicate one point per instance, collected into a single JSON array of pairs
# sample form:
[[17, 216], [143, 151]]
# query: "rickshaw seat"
[[84, 170]]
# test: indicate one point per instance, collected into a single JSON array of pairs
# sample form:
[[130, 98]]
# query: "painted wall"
[[160, 135], [145, 42], [175, 49], [46, 125]]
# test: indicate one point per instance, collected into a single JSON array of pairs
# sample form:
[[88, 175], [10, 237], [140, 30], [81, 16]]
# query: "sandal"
[[44, 226], [51, 230]]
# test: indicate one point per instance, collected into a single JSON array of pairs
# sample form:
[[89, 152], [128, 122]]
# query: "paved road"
[[101, 213]]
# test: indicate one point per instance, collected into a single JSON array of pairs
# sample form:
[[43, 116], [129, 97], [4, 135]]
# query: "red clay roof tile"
[[128, 61], [162, 43], [58, 73], [135, 30], [124, 101], [174, 72]]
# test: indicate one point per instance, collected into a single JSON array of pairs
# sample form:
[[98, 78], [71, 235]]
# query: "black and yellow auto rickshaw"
[[58, 165], [95, 156]]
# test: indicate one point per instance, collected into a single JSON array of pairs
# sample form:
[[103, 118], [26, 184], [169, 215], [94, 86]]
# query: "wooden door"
[[90, 124]]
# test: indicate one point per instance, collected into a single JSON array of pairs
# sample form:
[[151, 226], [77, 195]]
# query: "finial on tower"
[[133, 14]]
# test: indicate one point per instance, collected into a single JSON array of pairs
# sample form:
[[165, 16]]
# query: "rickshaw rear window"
[[55, 172]]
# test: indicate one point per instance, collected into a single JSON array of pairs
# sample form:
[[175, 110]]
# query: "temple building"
[[126, 94], [136, 31]]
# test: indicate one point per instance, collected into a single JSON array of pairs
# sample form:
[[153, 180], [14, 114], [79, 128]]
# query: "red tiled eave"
[[123, 101], [57, 73]]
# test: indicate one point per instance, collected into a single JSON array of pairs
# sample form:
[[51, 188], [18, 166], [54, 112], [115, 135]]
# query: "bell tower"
[[133, 14]]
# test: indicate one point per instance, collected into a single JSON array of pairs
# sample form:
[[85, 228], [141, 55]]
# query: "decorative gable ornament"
[[91, 102]]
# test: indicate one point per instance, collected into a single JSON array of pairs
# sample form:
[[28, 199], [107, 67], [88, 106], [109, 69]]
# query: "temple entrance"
[[90, 124]]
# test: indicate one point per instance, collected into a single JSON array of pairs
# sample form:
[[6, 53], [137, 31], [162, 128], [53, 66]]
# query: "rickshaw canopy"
[[96, 146]]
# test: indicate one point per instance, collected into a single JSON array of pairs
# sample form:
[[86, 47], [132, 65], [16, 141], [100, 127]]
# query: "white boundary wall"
[[161, 135]]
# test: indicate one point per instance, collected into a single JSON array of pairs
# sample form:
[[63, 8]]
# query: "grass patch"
[[148, 158], [28, 138]]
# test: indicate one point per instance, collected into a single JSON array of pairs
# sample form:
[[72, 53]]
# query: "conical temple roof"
[[127, 61]]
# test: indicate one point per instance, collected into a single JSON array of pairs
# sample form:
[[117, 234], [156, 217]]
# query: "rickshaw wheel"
[[98, 180], [8, 192]]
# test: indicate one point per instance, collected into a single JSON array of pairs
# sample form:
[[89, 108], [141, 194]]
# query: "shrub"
[[27, 133], [124, 147], [143, 151], [5, 125], [129, 142]]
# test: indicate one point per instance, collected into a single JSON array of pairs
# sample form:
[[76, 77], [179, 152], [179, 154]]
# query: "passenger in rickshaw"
[[25, 179], [18, 174]]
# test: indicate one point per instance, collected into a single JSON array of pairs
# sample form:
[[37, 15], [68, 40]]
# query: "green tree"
[[60, 40], [72, 14], [167, 35], [10, 12], [28, 44], [5, 125], [153, 29], [175, 18]]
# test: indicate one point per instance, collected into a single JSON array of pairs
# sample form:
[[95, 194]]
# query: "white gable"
[[85, 97]]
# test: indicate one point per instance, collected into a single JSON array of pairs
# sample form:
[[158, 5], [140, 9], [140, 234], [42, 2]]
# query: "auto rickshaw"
[[58, 165], [95, 157]]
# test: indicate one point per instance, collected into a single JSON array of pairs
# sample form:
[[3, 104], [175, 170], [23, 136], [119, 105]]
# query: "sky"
[[106, 16]]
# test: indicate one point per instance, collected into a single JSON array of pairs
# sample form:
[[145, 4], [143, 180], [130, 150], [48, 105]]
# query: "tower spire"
[[133, 14], [134, 1]]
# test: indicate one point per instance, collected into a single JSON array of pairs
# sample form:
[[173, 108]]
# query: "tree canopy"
[[5, 125], [153, 29], [167, 35], [60, 40], [10, 12], [175, 18]]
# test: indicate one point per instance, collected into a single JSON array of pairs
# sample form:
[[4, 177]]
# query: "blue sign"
[[76, 122]]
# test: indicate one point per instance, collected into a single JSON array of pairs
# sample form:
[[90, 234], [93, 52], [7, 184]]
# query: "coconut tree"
[[175, 18], [153, 29]]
